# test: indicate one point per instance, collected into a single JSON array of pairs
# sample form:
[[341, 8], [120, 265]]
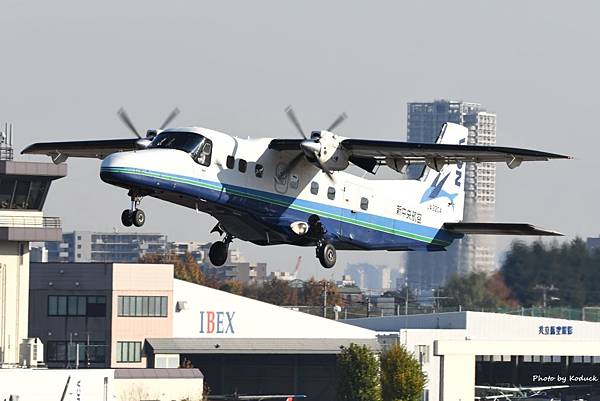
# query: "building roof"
[[254, 345], [158, 374]]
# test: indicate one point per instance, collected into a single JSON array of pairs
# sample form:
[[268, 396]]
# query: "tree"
[[358, 375], [185, 268], [401, 376], [477, 289]]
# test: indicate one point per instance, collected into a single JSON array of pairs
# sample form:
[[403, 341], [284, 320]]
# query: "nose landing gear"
[[219, 251], [133, 216]]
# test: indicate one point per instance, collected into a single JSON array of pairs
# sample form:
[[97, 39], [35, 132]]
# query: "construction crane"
[[295, 274]]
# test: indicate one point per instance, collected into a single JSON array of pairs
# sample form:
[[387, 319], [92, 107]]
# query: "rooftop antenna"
[[6, 139]]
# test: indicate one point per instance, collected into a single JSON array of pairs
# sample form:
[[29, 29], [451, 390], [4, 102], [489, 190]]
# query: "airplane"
[[235, 396], [272, 191], [520, 393]]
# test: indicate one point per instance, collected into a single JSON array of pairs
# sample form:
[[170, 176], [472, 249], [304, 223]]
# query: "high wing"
[[367, 153], [421, 152], [99, 149], [498, 229]]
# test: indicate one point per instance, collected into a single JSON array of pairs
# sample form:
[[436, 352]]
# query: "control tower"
[[23, 190]]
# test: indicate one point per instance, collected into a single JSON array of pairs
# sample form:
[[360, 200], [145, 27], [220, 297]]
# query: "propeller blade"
[[127, 121], [291, 165], [292, 116], [322, 167], [170, 118], [337, 121]]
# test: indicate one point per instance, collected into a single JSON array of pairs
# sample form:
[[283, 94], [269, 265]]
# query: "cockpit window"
[[185, 141]]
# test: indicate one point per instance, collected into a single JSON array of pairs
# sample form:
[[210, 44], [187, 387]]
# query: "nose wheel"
[[219, 251], [327, 254], [133, 216]]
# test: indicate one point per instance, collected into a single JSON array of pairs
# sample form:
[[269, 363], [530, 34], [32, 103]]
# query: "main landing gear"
[[219, 251], [325, 250], [326, 254], [133, 216]]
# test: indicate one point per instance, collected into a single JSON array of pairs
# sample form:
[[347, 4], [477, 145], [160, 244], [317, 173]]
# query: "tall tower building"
[[424, 121], [23, 190]]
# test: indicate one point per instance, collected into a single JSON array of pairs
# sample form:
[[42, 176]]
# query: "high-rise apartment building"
[[473, 253], [90, 246]]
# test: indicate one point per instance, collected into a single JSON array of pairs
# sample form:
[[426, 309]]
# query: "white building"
[[460, 350]]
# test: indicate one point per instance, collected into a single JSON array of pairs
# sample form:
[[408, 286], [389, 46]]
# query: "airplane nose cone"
[[116, 168]]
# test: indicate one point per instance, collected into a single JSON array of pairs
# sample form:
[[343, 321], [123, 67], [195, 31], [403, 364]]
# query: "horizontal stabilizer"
[[498, 229]]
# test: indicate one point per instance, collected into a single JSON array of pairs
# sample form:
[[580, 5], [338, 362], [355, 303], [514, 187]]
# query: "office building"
[[244, 272], [370, 277], [461, 350], [473, 253], [139, 316]]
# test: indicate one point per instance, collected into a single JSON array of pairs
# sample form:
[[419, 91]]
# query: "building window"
[[142, 306], [331, 193], [63, 351], [129, 351], [314, 188], [242, 165], [259, 170], [77, 305], [230, 162], [364, 203]]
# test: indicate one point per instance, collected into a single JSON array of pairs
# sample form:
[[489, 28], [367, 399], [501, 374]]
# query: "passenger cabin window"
[[230, 163], [364, 203], [294, 181], [242, 165], [331, 193], [259, 170], [314, 188]]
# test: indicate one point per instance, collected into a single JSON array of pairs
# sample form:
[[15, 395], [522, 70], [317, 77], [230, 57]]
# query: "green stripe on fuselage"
[[274, 201]]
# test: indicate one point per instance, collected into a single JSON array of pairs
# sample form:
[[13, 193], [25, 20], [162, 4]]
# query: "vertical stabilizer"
[[447, 182]]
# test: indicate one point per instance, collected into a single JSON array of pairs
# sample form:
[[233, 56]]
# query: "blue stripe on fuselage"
[[367, 230]]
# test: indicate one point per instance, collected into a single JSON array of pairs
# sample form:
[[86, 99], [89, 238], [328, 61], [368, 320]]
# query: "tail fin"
[[447, 182]]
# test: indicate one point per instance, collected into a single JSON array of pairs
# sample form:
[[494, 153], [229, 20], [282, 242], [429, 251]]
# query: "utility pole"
[[545, 289], [406, 300], [325, 299]]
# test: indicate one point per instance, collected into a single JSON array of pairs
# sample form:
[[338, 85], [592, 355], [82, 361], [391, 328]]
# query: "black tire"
[[139, 218], [327, 255], [218, 253], [126, 218]]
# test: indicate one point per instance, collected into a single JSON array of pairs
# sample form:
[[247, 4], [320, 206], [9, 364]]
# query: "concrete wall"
[[211, 313], [89, 385], [14, 298], [142, 280]]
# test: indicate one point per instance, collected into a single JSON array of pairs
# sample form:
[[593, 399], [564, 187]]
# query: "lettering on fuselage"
[[409, 214], [434, 208], [218, 322]]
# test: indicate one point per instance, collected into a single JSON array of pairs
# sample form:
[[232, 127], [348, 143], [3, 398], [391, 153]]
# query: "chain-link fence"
[[588, 313]]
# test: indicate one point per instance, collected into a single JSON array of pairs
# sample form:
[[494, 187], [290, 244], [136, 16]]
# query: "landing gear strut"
[[326, 254], [133, 215], [219, 251]]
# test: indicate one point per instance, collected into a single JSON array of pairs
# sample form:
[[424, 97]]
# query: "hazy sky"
[[67, 66]]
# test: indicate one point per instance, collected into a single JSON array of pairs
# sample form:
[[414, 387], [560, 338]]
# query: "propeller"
[[127, 121], [310, 147], [124, 117]]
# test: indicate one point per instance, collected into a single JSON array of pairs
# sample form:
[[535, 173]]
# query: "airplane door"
[[355, 214]]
